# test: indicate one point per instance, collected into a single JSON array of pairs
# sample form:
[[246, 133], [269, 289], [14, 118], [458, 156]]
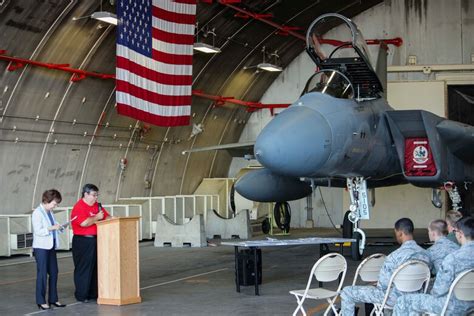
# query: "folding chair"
[[369, 268], [463, 288], [411, 276], [328, 268]]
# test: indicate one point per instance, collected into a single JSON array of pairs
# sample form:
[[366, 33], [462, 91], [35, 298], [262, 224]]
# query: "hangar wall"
[[58, 134], [436, 32]]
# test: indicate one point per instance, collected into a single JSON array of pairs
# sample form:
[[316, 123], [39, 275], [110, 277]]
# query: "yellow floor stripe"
[[319, 308]]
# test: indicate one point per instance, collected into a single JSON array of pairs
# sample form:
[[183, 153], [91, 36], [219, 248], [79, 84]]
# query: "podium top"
[[118, 219]]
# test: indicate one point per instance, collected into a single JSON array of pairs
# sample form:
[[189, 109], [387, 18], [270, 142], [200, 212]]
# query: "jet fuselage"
[[320, 136]]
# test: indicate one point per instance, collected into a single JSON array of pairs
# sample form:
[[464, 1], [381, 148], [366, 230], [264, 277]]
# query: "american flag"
[[154, 60]]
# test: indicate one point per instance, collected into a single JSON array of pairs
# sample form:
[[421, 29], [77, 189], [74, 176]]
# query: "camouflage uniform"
[[351, 295], [453, 264], [452, 236], [441, 248]]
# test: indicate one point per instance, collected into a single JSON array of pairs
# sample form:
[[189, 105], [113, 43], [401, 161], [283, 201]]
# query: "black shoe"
[[43, 307], [57, 304]]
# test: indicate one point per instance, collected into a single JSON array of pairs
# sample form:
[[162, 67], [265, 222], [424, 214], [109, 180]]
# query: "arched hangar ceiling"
[[59, 133]]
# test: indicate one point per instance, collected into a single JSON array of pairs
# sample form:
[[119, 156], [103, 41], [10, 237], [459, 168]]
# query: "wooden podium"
[[118, 267]]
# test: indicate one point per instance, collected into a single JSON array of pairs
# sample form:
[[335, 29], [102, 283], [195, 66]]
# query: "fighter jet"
[[342, 132]]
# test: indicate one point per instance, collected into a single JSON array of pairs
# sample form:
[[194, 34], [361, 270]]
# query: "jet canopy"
[[344, 50], [330, 82]]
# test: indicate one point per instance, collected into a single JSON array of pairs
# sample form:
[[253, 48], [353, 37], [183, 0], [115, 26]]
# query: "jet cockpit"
[[346, 70]]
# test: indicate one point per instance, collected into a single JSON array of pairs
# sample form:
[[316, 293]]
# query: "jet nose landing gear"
[[359, 209]]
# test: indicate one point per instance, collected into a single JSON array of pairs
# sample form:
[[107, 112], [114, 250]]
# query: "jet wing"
[[234, 149]]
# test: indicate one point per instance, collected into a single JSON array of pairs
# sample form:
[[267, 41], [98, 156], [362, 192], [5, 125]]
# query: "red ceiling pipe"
[[397, 41], [285, 29], [251, 106], [78, 74], [264, 20], [256, 16], [231, 1]]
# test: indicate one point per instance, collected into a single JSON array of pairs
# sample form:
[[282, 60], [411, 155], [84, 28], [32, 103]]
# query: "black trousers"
[[84, 255], [46, 264]]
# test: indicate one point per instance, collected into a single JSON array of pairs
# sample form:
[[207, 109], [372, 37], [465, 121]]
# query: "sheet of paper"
[[68, 222]]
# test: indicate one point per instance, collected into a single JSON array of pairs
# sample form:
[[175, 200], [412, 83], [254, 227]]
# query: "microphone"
[[100, 206]]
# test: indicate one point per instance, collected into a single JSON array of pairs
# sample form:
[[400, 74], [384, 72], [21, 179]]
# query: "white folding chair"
[[463, 288], [369, 268], [328, 268], [411, 276]]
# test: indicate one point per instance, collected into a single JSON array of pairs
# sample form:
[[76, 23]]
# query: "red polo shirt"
[[83, 212]]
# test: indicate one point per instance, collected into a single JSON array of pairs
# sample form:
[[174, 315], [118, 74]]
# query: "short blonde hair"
[[452, 217], [439, 227]]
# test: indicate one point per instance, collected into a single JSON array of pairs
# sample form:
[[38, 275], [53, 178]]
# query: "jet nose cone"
[[295, 143]]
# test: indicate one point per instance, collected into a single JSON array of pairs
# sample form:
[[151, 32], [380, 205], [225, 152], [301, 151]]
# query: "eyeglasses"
[[94, 194]]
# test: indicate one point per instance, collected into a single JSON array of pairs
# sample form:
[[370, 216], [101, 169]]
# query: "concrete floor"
[[187, 281]]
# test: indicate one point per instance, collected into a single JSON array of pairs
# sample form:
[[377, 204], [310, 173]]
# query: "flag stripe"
[[159, 99], [185, 29], [144, 116], [172, 59], [174, 17], [185, 1], [123, 51], [175, 6], [172, 38], [123, 63], [170, 48], [163, 89]]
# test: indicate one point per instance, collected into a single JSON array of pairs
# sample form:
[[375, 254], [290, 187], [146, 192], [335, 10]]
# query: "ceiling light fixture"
[[269, 67], [206, 48], [203, 47], [266, 65], [105, 16]]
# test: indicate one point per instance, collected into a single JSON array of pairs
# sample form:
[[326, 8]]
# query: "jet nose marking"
[[295, 143]]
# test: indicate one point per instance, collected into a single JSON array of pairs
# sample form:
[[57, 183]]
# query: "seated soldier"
[[452, 217], [409, 250], [437, 231], [453, 264]]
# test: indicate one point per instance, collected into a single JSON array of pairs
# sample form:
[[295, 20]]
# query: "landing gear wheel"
[[282, 215], [266, 226], [347, 226], [355, 251], [232, 199]]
